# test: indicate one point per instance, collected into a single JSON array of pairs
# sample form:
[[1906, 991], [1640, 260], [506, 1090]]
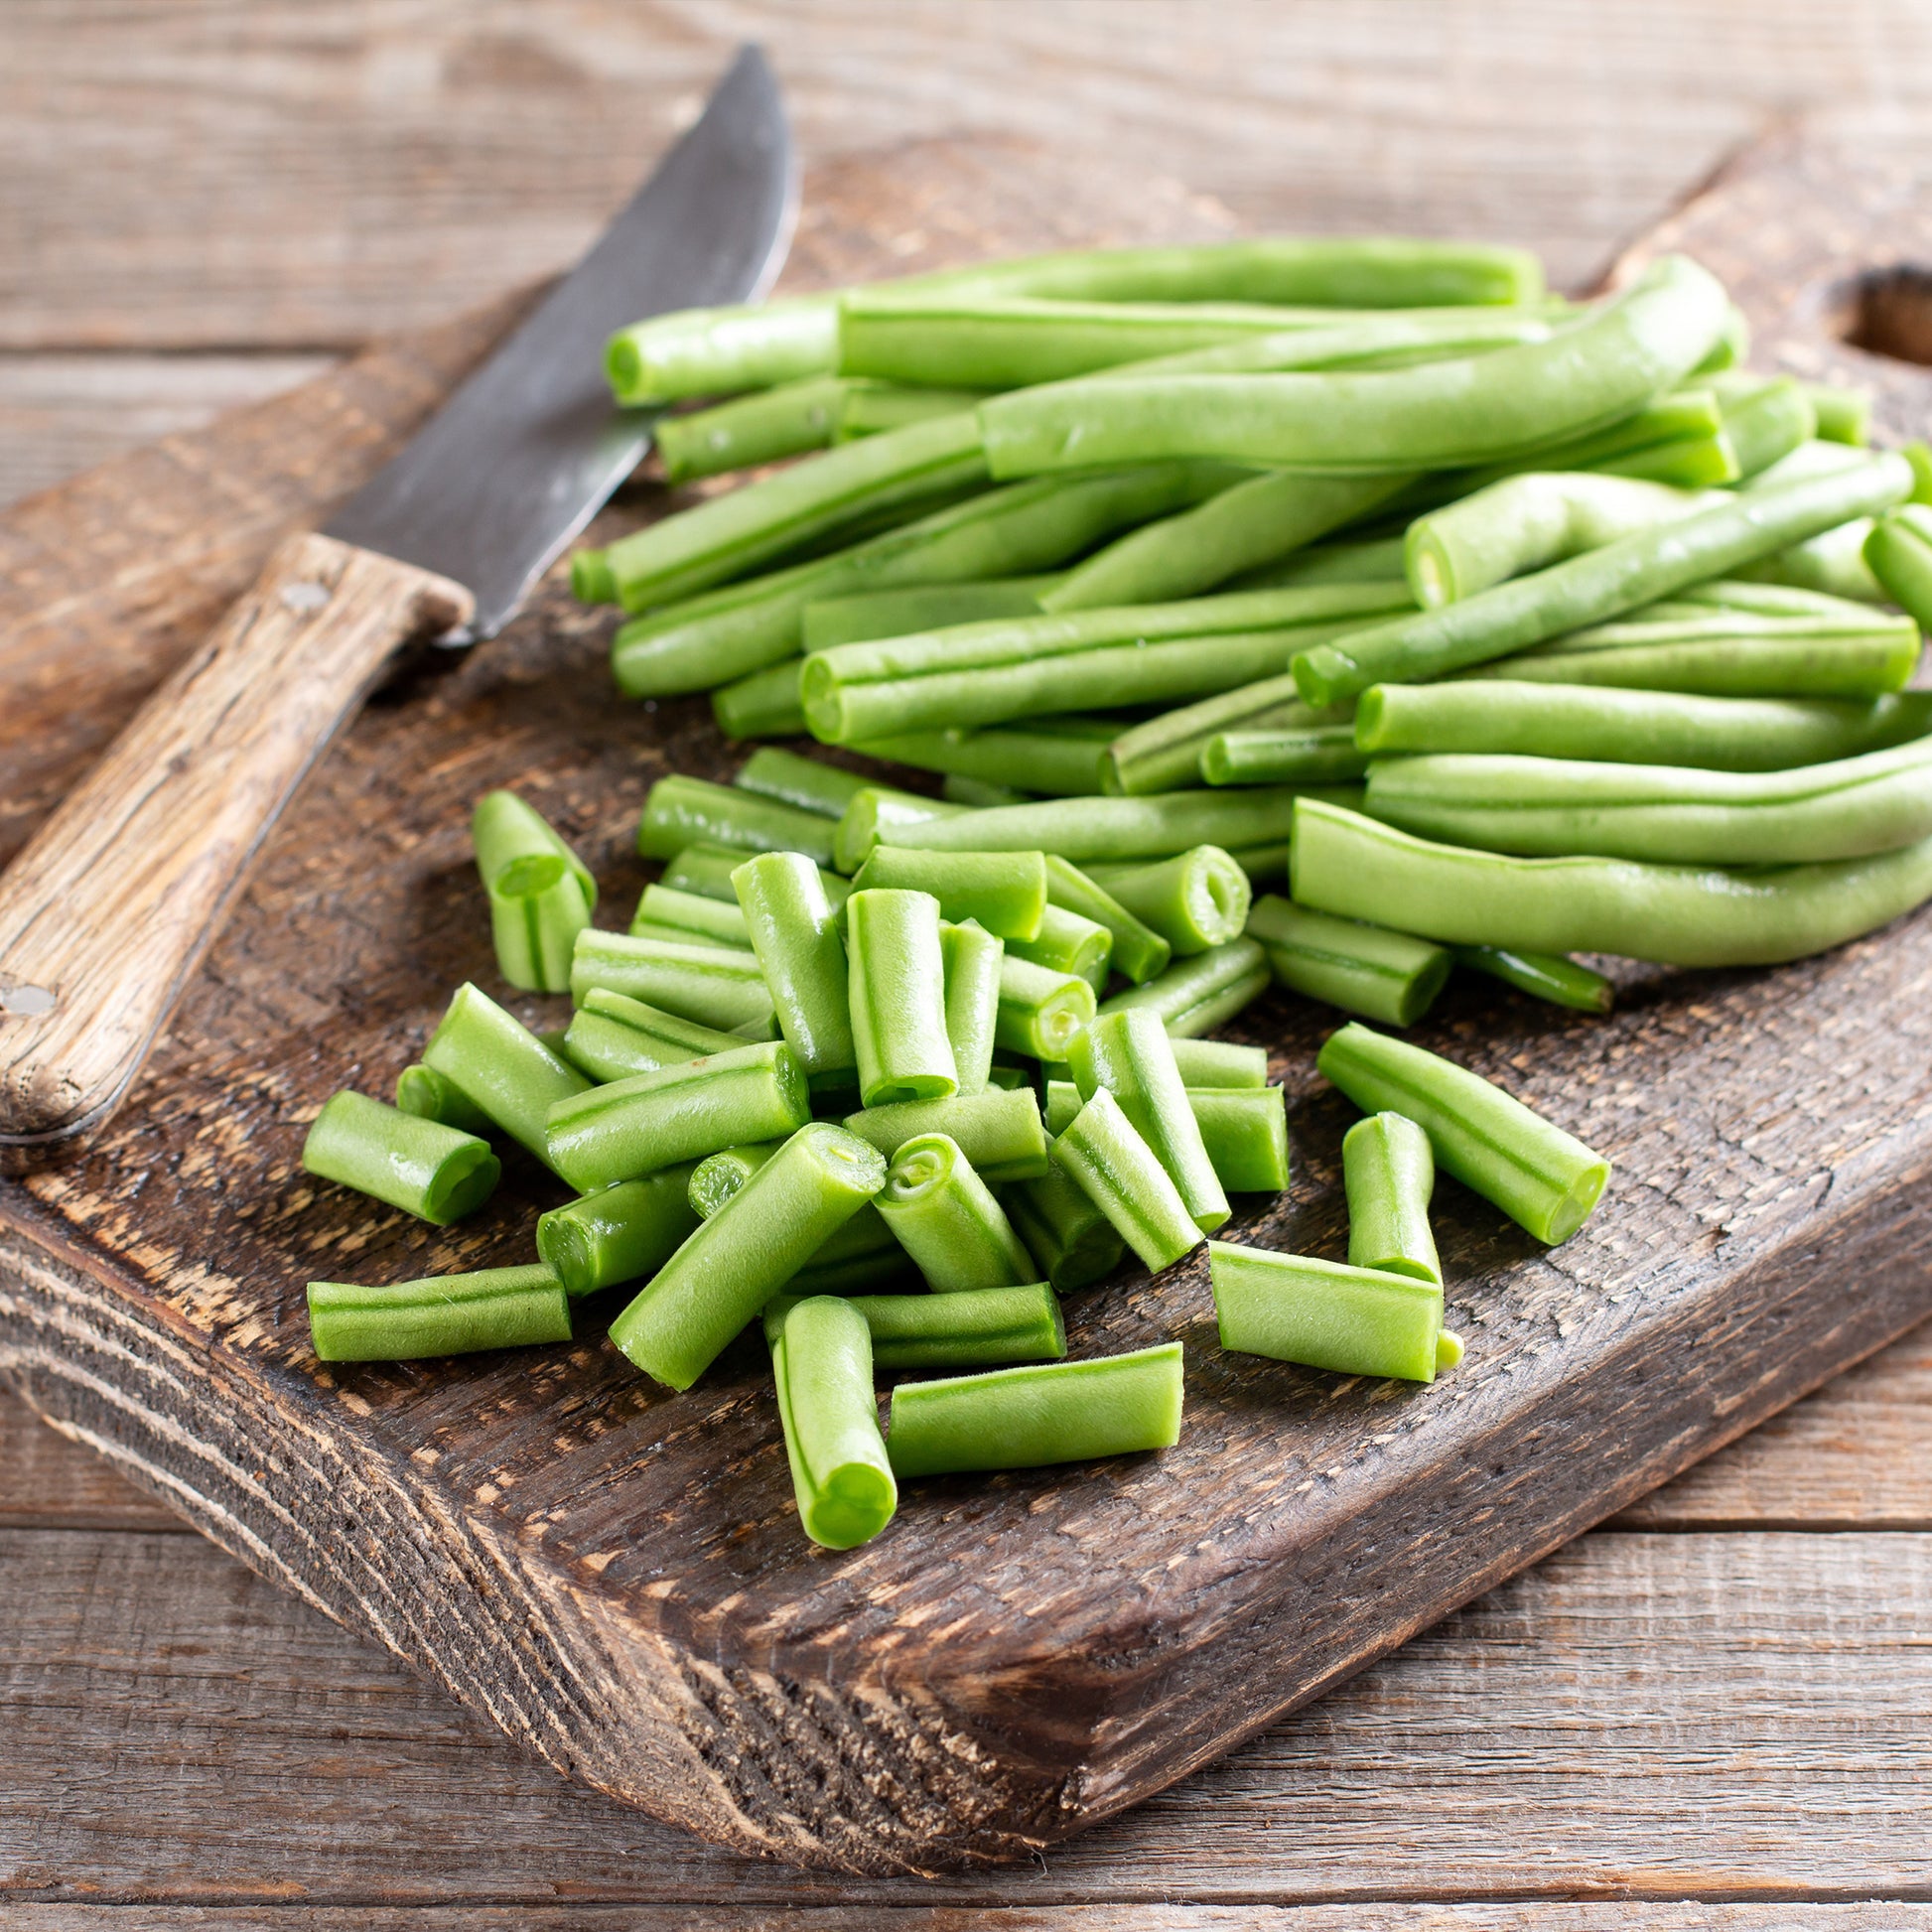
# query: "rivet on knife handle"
[[110, 906]]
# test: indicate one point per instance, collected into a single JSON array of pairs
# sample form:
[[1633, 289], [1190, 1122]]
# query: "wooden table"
[[1722, 1696]]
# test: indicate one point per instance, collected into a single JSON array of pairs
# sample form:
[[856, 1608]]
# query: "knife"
[[109, 907]]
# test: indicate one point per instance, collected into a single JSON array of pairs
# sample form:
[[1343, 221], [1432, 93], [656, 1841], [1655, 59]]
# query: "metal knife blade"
[[527, 451]]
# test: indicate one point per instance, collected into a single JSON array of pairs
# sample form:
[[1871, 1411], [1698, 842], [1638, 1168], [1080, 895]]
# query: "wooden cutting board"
[[615, 1573]]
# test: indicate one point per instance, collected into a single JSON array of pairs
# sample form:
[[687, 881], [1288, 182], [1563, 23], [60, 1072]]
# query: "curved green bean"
[[1389, 1174], [618, 1234], [1555, 977], [1328, 1314], [446, 1315], [1368, 969], [439, 1174], [947, 1220], [998, 1129]]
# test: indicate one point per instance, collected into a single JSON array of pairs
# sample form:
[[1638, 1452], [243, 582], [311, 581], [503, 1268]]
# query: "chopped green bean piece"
[[1004, 892], [618, 1234], [1108, 1157], [866, 615], [611, 1037], [1137, 950], [1059, 757], [1245, 1131], [1555, 977], [437, 1173], [999, 1131], [501, 1066], [879, 814], [973, 961], [1040, 1010], [748, 431], [761, 704], [899, 996], [692, 919], [794, 932], [821, 1360], [1220, 1064], [682, 811], [431, 1095], [947, 1220], [721, 987], [1195, 994], [1389, 1173], [446, 1315], [1367, 969], [971, 1328], [1195, 901], [1070, 1238], [806, 784]]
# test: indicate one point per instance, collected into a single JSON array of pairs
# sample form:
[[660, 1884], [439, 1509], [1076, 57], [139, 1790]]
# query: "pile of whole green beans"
[[1324, 615]]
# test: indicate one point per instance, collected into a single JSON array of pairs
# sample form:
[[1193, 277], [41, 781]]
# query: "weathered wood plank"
[[275, 172], [52, 1481], [1733, 1718]]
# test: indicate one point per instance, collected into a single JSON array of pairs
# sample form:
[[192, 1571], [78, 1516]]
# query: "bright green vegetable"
[[898, 996], [1844, 415], [1245, 1131], [750, 429], [1197, 900], [875, 813], [708, 869], [1679, 915], [721, 987], [611, 1037], [1354, 1321], [1831, 562], [919, 608], [870, 408], [618, 1234], [947, 1219], [1195, 994], [1062, 1103], [1068, 943], [681, 811], [541, 895], [654, 1120], [1377, 560], [690, 918], [1898, 553], [420, 1165], [1005, 891], [1555, 977], [999, 1131], [431, 1095], [747, 1252], [1040, 1010], [1367, 969], [1026, 1418], [1389, 1173], [821, 1360], [1764, 421], [973, 961], [795, 933], [497, 1064], [1106, 1154], [1164, 752], [1061, 756], [806, 784], [1219, 1063], [971, 1328], [979, 795], [761, 704], [446, 1315], [1069, 1237], [857, 1253], [1544, 1179], [1300, 754], [1136, 949]]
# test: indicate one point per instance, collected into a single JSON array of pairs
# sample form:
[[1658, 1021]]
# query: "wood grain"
[[1139, 1917]]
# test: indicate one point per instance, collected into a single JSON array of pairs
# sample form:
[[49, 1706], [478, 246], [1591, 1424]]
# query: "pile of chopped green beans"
[[1322, 615]]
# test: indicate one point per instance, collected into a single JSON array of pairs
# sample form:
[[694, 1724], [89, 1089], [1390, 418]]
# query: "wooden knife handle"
[[110, 906]]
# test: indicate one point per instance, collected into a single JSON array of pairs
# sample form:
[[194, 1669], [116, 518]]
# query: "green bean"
[[1068, 943], [1377, 560], [721, 987], [591, 577], [1545, 1179], [1763, 420], [998, 1130], [870, 408], [437, 1173], [446, 1315], [541, 895], [761, 704], [1555, 977], [1251, 524], [713, 351], [1127, 1055], [1677, 915], [875, 812], [1197, 900], [693, 918], [681, 811], [1898, 552], [1601, 584], [1367, 969], [1389, 1173], [1219, 1063], [806, 784], [497, 1064], [821, 1362], [430, 1095], [794, 934], [618, 1234], [747, 1252], [1197, 994], [1245, 1131], [973, 960], [706, 869], [862, 1248], [1634, 726], [969, 1327], [612, 1036], [1842, 415], [1685, 463], [1061, 763], [920, 607], [654, 1120], [1028, 1418], [1136, 949], [1071, 1241], [1107, 1155], [750, 429], [1689, 416], [1324, 1314], [1298, 754], [1667, 814], [1009, 1075], [947, 1219], [1165, 754], [1040, 1010], [1434, 415], [987, 673], [1004, 892], [978, 795], [1831, 562], [718, 1177], [898, 997], [1062, 1103]]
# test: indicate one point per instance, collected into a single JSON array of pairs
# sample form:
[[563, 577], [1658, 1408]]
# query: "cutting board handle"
[[110, 906]]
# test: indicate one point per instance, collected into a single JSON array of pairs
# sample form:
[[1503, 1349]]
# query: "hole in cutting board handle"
[[1886, 312]]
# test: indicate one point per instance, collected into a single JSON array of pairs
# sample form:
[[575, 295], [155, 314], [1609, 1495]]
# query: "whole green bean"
[[897, 998], [618, 1234], [541, 895], [1245, 1131], [970, 1328], [806, 784], [1026, 1417], [1434, 415], [866, 615], [446, 1315], [431, 1095], [437, 1173], [821, 1362], [1107, 1155], [878, 811], [1004, 892], [1219, 1063], [870, 408], [1071, 1241], [693, 918], [1601, 584], [1367, 969], [998, 1129], [497, 1064], [747, 1252], [1136, 950], [787, 420], [1898, 553], [795, 933], [1669, 814], [1555, 977], [1068, 943], [1197, 900], [973, 960], [1634, 726], [1325, 1315], [1545, 1179], [1306, 754], [1127, 1054], [681, 811], [947, 1220], [1197, 994], [1164, 752], [1040, 1010], [721, 987], [1062, 761], [1389, 1174], [706, 869], [611, 1037], [1688, 416], [761, 704]]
